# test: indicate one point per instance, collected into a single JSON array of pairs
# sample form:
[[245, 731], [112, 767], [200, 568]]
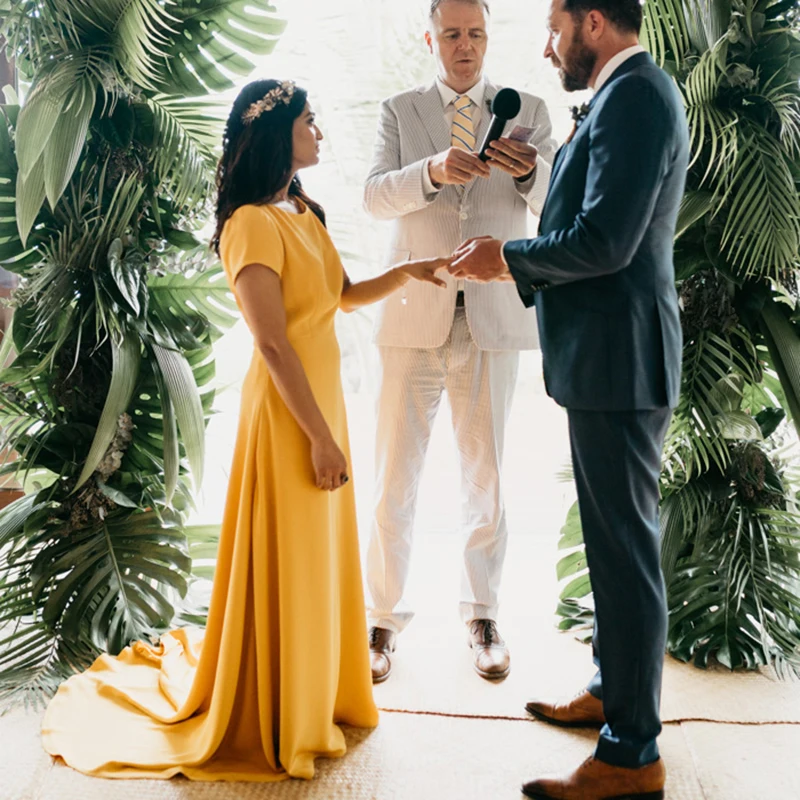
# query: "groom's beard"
[[577, 67]]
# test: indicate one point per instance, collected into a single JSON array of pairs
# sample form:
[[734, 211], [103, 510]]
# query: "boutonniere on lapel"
[[579, 114]]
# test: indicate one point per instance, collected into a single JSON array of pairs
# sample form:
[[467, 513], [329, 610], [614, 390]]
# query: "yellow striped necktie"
[[463, 132]]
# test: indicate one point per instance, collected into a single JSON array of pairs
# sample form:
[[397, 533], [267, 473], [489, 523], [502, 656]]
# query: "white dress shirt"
[[616, 61]]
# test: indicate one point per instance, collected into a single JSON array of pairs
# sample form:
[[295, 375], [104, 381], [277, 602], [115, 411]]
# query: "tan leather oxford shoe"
[[596, 780], [490, 656], [583, 711], [382, 644]]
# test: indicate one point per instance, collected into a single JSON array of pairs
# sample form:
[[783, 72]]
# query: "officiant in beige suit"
[[463, 339]]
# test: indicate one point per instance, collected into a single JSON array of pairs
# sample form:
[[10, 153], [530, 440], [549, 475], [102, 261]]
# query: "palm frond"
[[694, 206], [139, 31], [713, 129], [712, 363], [40, 31], [784, 99], [707, 22], [187, 132], [35, 661], [664, 31], [762, 228], [685, 516]]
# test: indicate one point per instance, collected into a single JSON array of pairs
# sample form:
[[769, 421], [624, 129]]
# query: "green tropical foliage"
[[106, 171], [730, 512]]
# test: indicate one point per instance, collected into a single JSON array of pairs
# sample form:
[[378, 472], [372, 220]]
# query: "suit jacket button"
[[463, 215]]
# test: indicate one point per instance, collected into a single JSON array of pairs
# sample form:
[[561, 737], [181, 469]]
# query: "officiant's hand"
[[518, 159], [456, 166], [480, 260]]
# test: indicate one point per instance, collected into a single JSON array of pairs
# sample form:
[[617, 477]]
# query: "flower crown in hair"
[[282, 93]]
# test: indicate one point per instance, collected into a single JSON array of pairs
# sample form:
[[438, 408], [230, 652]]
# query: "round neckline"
[[299, 213]]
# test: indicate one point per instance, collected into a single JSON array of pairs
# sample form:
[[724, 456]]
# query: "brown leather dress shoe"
[[381, 646], [490, 656], [583, 711], [596, 780]]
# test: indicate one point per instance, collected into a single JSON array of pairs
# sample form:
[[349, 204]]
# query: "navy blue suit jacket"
[[601, 271]]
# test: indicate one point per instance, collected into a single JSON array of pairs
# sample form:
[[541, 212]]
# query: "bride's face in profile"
[[306, 137]]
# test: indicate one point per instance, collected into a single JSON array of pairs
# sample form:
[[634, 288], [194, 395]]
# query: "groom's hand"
[[518, 159], [480, 260]]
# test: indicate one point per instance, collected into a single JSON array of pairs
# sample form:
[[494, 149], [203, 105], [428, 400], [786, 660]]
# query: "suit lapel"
[[428, 104], [626, 66], [634, 61], [558, 162]]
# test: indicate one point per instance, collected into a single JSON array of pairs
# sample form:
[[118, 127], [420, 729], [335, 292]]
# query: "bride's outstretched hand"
[[425, 269]]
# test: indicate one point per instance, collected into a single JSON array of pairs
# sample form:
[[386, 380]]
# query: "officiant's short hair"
[[436, 3], [625, 15]]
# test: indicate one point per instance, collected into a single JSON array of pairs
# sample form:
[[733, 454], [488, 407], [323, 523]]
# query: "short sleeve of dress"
[[251, 236]]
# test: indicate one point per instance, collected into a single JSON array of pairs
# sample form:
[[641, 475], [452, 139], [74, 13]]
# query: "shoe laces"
[[487, 630]]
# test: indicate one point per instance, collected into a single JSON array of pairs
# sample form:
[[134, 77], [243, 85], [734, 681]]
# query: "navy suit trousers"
[[617, 462]]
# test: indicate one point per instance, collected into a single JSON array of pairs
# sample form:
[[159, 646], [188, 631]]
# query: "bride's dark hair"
[[256, 158]]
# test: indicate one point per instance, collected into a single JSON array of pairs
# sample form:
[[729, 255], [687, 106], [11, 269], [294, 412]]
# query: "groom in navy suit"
[[601, 276]]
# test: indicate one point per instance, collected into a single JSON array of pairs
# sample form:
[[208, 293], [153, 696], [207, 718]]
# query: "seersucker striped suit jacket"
[[412, 128]]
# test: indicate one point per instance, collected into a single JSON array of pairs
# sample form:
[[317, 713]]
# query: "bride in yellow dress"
[[257, 696]]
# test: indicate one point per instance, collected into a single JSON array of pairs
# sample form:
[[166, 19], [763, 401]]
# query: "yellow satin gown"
[[284, 657]]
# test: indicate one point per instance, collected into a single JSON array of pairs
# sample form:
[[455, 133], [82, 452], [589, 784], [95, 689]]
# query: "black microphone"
[[505, 106]]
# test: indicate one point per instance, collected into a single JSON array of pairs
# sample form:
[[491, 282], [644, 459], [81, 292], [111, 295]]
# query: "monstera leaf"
[[113, 582], [204, 293], [736, 600], [214, 34]]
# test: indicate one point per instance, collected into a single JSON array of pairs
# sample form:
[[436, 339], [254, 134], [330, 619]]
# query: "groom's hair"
[[624, 15], [436, 3]]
